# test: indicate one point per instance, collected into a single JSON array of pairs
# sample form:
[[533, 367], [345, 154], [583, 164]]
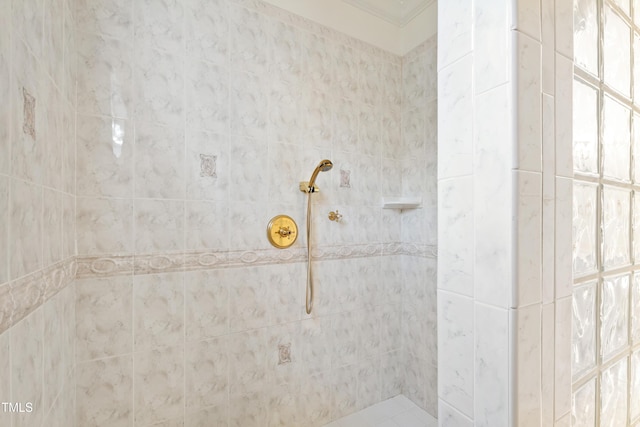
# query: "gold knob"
[[282, 231], [335, 216]]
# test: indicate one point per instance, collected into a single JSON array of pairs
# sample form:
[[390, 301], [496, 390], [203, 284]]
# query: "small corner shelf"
[[401, 203]]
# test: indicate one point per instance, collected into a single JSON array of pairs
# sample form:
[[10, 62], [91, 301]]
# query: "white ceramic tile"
[[528, 358], [206, 367], [563, 237], [109, 18], [548, 34], [529, 229], [247, 363], [4, 228], [455, 355], [491, 192], [449, 416], [158, 385], [455, 135], [28, 115], [563, 109], [455, 261], [491, 383], [25, 246], [208, 95], [5, 373], [529, 120], [491, 44], [159, 162], [103, 317], [159, 87], [5, 91], [159, 24], [105, 226], [249, 35], [158, 310], [159, 226], [455, 19], [548, 361], [27, 367], [104, 76], [563, 357], [564, 28], [250, 153], [104, 157], [247, 105], [104, 392], [207, 30]]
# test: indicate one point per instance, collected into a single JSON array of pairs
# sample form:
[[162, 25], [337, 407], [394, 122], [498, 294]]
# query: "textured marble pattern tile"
[[104, 317], [104, 392], [158, 385], [159, 310], [105, 157], [159, 167], [25, 219]]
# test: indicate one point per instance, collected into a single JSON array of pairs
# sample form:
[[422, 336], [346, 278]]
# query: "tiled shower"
[[144, 149], [145, 145]]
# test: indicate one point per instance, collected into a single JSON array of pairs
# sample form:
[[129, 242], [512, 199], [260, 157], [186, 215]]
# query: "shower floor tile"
[[395, 412]]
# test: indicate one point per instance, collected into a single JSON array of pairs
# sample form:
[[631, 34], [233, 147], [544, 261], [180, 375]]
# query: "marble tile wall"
[[504, 183], [196, 121], [605, 219], [37, 210], [419, 226]]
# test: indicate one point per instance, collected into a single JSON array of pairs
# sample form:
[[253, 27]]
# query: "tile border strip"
[[118, 265], [22, 296]]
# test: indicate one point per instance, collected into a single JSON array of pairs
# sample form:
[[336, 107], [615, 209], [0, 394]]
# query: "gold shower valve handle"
[[335, 216], [282, 231]]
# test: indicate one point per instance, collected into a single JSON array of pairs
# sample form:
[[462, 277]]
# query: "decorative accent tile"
[[208, 165], [29, 125], [345, 179], [23, 296], [284, 353]]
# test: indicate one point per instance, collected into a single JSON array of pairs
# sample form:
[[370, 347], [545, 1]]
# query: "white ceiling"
[[398, 12]]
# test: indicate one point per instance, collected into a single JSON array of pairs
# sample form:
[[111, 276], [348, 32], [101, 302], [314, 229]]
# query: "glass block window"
[[606, 214]]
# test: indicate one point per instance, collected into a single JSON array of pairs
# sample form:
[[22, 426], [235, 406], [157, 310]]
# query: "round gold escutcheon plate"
[[282, 231]]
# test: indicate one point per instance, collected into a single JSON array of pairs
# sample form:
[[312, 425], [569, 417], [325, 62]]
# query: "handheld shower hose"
[[309, 188]]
